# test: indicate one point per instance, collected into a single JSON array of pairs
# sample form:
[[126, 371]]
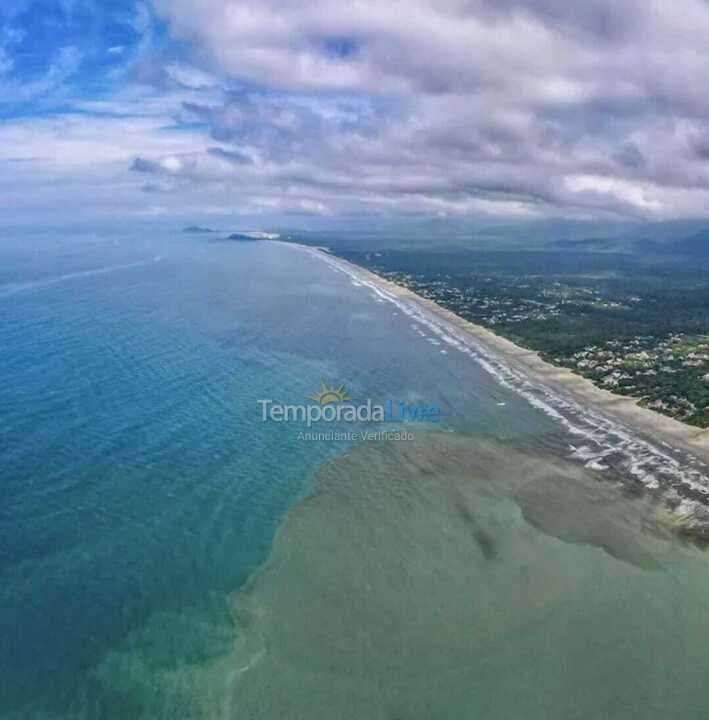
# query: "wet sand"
[[460, 575], [620, 408]]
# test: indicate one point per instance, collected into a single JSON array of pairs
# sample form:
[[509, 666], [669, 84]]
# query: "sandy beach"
[[652, 425]]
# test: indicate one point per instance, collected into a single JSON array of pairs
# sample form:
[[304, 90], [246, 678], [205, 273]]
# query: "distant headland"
[[253, 235], [246, 235], [197, 229]]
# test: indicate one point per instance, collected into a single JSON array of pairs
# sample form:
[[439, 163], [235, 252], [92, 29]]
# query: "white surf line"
[[48, 282], [644, 460]]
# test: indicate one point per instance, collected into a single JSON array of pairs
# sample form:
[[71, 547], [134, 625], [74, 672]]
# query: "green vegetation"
[[634, 323]]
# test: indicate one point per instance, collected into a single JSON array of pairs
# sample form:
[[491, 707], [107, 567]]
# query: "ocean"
[[166, 553]]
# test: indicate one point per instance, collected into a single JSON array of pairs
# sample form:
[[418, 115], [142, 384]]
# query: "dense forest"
[[634, 321]]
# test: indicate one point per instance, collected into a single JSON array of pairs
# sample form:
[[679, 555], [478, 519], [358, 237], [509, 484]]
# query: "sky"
[[519, 109]]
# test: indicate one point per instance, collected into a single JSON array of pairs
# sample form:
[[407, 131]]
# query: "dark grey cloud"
[[700, 145], [233, 156], [142, 165], [605, 21], [629, 156], [538, 107]]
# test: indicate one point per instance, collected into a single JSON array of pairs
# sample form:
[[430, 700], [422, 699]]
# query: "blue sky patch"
[[51, 50]]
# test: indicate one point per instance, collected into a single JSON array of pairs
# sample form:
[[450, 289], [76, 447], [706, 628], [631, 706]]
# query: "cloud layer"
[[521, 108]]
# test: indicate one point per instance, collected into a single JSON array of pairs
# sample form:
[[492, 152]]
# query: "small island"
[[242, 237], [251, 236], [197, 229]]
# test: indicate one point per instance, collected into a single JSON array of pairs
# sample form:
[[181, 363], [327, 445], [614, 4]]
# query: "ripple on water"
[[459, 577]]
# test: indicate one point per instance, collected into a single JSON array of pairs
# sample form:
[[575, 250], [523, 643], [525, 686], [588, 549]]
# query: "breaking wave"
[[600, 443]]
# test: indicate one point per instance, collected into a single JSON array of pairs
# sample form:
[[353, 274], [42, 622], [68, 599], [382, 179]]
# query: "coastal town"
[[667, 372], [669, 375]]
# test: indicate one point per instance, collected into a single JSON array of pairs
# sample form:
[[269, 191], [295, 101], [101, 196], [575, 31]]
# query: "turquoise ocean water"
[[166, 554]]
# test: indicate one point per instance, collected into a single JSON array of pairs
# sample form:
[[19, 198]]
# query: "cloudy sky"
[[513, 108]]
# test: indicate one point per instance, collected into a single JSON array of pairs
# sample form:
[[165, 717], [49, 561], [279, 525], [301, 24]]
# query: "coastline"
[[624, 410]]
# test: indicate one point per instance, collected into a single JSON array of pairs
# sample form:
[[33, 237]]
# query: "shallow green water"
[[456, 577], [475, 572]]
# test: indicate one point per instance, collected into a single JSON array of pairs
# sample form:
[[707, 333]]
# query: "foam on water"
[[607, 443], [14, 288], [449, 577], [454, 577]]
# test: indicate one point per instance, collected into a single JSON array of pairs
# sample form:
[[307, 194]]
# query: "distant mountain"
[[647, 242], [197, 229], [242, 237], [590, 244], [253, 235], [695, 245]]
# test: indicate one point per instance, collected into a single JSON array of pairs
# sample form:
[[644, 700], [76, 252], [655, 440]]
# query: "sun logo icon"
[[329, 395]]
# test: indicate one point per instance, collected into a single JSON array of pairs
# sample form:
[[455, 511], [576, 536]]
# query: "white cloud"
[[13, 91], [75, 143], [190, 77], [511, 107]]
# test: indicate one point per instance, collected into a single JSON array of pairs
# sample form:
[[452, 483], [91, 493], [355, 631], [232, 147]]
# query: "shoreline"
[[654, 426]]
